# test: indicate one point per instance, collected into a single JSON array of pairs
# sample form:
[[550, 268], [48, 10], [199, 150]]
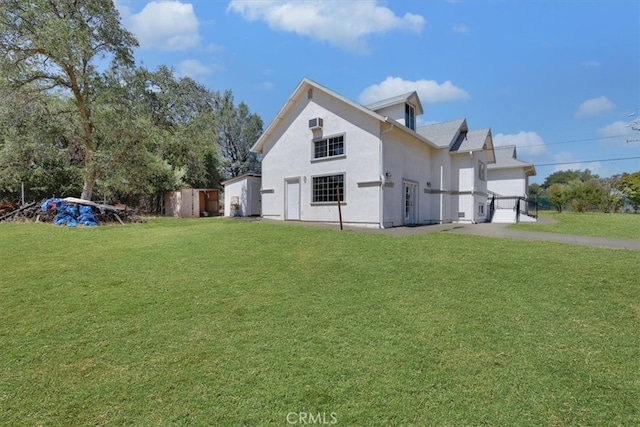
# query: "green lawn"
[[621, 226], [218, 322]]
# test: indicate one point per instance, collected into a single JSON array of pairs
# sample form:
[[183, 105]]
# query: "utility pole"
[[634, 124]]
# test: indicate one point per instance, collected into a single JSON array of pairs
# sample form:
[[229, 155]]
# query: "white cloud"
[[527, 143], [341, 23], [122, 8], [460, 29], [594, 107], [194, 69], [167, 25], [628, 137], [615, 129], [429, 91]]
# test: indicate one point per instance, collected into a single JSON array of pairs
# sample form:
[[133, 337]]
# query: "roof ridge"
[[442, 123]]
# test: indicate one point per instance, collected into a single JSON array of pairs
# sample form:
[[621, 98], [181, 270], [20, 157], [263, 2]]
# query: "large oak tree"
[[54, 45]]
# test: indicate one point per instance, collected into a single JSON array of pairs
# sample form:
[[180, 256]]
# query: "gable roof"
[[298, 94], [475, 140], [410, 97], [506, 157], [443, 134]]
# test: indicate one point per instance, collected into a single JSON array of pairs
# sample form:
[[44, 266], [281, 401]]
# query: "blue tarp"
[[69, 214], [86, 216]]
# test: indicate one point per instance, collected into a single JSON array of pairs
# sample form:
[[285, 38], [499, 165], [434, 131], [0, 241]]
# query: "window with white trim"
[[481, 171], [324, 188], [328, 147], [481, 208], [409, 116]]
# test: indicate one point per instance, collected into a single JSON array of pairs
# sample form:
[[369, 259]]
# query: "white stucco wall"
[[462, 180], [247, 190], [440, 191], [481, 184], [232, 190], [480, 194], [407, 160], [508, 182], [292, 159], [469, 191], [395, 112]]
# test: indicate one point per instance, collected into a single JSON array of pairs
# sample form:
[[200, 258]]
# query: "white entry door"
[[410, 203], [293, 200]]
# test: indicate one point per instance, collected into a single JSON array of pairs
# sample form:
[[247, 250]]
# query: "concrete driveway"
[[486, 229]]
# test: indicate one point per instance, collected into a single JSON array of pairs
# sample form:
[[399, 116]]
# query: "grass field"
[[620, 226], [218, 322]]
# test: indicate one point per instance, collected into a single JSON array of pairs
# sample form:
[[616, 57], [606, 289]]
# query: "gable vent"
[[315, 123]]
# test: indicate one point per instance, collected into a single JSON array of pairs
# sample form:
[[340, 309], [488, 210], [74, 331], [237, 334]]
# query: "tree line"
[[79, 117], [582, 191]]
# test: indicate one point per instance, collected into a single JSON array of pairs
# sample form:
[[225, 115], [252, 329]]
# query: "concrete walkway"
[[500, 230], [489, 230]]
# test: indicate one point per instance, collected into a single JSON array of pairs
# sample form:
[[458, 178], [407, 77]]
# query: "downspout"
[[382, 176]]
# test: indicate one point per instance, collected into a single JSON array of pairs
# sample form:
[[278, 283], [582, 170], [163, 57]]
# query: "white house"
[[509, 176], [323, 148], [242, 195], [508, 186]]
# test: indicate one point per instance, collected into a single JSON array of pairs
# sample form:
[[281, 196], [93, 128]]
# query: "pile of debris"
[[69, 211], [30, 212]]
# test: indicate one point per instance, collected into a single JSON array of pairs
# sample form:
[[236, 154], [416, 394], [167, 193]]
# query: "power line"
[[569, 142], [587, 161], [582, 140]]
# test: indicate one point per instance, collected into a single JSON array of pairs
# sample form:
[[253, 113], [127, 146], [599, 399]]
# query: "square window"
[[319, 149], [328, 147], [324, 188]]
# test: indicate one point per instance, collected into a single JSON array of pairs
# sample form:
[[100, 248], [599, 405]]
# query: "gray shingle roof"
[[506, 157], [472, 141], [399, 99], [442, 134]]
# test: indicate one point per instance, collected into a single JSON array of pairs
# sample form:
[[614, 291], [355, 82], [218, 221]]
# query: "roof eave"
[[241, 177], [419, 109], [411, 132], [528, 167], [258, 146], [489, 148]]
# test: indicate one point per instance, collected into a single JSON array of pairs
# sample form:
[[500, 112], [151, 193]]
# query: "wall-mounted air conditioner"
[[315, 123]]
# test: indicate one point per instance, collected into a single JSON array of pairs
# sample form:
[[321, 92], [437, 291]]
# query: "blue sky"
[[557, 78]]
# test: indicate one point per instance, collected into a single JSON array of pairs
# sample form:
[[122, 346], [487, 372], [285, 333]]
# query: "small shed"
[[242, 195], [192, 203]]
